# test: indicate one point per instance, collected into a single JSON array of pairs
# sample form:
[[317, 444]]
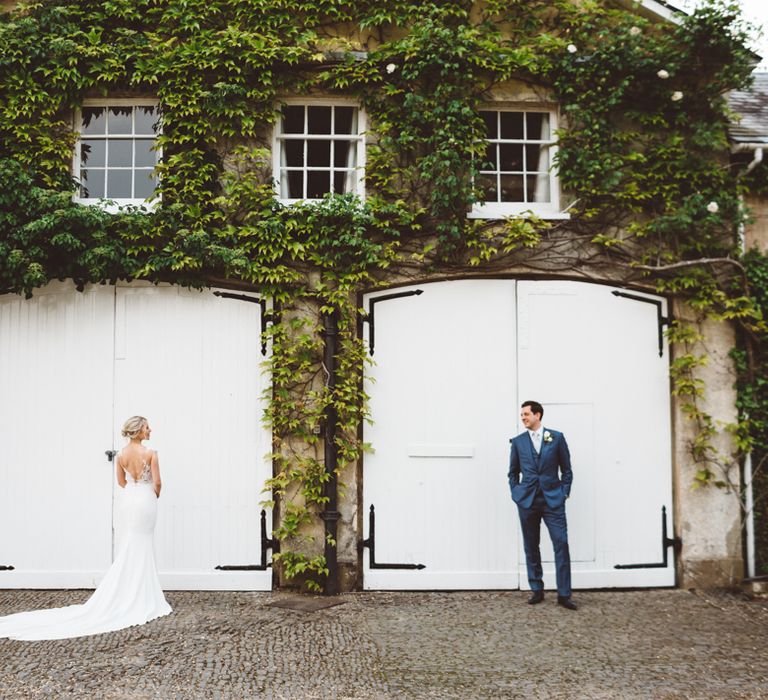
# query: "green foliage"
[[641, 167], [751, 361]]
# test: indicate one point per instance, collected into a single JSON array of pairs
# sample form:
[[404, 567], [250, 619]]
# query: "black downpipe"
[[331, 513]]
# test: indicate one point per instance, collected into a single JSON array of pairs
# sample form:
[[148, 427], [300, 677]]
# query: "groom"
[[536, 455]]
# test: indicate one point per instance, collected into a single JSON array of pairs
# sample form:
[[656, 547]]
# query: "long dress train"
[[129, 594]]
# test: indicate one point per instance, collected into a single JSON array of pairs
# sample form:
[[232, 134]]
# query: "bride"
[[130, 593]]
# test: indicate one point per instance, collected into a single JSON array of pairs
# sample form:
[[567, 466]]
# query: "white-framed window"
[[516, 173], [116, 151], [318, 148]]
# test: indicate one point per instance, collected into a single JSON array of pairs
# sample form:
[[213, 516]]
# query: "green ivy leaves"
[[640, 154]]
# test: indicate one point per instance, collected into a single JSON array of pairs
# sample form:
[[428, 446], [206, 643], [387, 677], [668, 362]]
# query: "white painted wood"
[[592, 360], [460, 451], [55, 424], [73, 366], [190, 362], [444, 378], [450, 373]]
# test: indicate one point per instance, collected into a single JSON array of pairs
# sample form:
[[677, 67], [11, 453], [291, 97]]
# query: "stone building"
[[749, 136], [454, 354]]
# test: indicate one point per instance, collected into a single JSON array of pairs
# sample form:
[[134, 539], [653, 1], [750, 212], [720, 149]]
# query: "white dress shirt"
[[536, 438]]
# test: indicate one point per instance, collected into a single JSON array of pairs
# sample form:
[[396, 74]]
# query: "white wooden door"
[[191, 363], [451, 368], [592, 359], [55, 425], [73, 366], [442, 403]]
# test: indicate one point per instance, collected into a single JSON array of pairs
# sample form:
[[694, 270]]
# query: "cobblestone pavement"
[[620, 644]]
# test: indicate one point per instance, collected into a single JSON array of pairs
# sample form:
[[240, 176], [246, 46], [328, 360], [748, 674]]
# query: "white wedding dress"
[[129, 594]]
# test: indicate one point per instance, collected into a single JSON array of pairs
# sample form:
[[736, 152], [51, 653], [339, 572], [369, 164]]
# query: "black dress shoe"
[[536, 597], [566, 603]]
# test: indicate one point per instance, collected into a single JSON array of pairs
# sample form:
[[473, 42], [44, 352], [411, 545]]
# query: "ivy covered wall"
[[642, 161]]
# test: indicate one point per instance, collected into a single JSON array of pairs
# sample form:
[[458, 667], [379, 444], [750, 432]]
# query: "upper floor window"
[[319, 149], [116, 152], [516, 173]]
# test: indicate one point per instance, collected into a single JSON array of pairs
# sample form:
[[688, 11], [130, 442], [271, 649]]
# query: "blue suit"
[[540, 483]]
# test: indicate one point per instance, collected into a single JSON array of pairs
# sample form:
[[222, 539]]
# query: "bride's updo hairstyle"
[[133, 426]]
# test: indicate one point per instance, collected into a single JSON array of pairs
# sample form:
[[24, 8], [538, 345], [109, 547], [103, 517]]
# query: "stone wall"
[[708, 518], [756, 232]]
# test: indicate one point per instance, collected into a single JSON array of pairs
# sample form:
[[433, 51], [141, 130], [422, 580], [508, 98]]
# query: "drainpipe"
[[331, 513], [758, 156], [749, 506], [749, 503]]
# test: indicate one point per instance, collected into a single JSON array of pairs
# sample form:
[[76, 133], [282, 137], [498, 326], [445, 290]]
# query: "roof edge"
[[658, 10]]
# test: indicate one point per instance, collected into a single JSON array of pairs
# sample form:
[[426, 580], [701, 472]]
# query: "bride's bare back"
[[130, 592], [140, 464]]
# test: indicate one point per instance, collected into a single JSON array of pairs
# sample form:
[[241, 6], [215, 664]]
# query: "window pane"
[[319, 153], [293, 120], [92, 183], [346, 120], [318, 184], [319, 120], [293, 153], [510, 156], [94, 120], [511, 125], [536, 158], [295, 184], [93, 152], [486, 186], [145, 156], [538, 126], [512, 188], [119, 184], [491, 124], [145, 118], [119, 120], [490, 160], [120, 153], [145, 184], [345, 154], [538, 188], [345, 181]]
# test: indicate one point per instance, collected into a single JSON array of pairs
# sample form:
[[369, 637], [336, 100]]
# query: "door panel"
[[73, 366], [443, 393], [592, 359], [190, 362], [55, 424], [451, 369]]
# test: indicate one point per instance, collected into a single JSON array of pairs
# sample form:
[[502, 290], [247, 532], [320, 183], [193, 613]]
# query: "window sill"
[[494, 213], [291, 202], [114, 206]]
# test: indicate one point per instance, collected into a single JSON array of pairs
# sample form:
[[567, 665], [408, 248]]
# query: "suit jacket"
[[550, 469]]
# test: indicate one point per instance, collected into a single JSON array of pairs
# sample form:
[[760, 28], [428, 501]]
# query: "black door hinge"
[[369, 316], [370, 542], [666, 543], [661, 319]]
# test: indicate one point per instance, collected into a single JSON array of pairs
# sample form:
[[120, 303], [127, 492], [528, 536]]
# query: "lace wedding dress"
[[129, 594]]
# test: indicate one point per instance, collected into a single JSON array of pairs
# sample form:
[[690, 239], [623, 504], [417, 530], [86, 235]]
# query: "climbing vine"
[[640, 158]]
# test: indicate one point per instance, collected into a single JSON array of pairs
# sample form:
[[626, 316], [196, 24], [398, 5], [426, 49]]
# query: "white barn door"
[[592, 359], [442, 403], [55, 424], [451, 367], [73, 366], [190, 362]]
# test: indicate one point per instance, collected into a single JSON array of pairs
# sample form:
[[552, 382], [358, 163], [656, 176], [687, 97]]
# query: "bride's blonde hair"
[[133, 426]]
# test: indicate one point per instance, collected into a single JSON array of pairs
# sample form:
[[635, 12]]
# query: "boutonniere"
[[547, 436]]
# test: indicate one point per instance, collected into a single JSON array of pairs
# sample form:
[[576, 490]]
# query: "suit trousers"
[[554, 519]]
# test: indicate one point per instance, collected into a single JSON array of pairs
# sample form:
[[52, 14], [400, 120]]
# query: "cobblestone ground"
[[620, 644]]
